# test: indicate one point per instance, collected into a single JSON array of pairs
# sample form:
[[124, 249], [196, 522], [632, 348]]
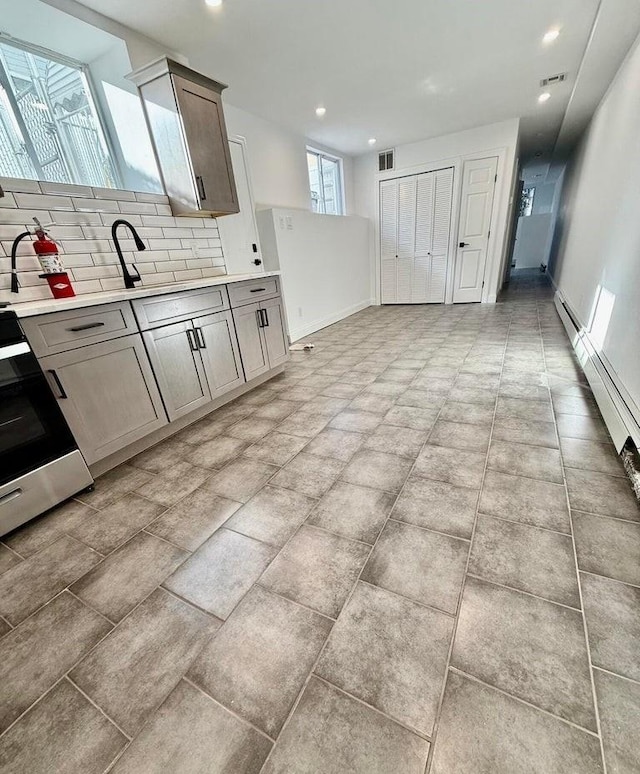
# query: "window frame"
[[340, 198], [95, 104]]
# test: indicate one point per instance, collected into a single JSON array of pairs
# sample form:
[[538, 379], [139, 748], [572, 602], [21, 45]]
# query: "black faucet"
[[129, 279]]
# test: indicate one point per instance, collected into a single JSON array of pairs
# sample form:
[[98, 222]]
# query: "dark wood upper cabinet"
[[186, 122]]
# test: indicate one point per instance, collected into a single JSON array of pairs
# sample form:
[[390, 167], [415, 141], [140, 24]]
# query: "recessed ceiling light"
[[213, 3], [320, 111], [544, 96], [550, 36], [372, 140]]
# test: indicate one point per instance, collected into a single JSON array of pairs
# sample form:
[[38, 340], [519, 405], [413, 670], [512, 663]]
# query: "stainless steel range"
[[40, 464]]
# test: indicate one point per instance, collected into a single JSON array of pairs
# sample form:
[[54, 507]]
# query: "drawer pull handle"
[[257, 290], [86, 326], [201, 189], [62, 395], [193, 344], [200, 338], [10, 496]]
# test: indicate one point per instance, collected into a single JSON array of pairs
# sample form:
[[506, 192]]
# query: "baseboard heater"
[[620, 414]]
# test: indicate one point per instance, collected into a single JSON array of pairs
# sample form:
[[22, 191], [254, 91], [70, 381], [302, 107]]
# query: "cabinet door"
[[219, 352], [204, 128], [253, 350], [173, 352], [274, 332], [107, 393]]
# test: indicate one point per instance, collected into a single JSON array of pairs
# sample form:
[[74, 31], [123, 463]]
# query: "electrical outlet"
[[299, 311], [289, 223], [281, 221], [194, 251]]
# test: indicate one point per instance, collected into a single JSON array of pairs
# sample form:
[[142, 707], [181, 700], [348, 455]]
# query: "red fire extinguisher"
[[51, 264]]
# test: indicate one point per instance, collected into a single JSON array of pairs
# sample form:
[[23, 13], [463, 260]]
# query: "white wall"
[[450, 150], [324, 261], [278, 162], [534, 232], [597, 263]]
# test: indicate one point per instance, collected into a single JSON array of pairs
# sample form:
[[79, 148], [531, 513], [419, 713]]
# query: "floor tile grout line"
[[97, 706], [608, 578], [429, 529], [524, 524], [585, 627], [454, 632], [353, 697], [616, 674], [393, 593], [491, 582], [278, 594], [243, 720], [520, 700]]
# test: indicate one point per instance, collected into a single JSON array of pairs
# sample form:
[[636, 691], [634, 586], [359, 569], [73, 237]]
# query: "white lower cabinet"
[[195, 361], [107, 393]]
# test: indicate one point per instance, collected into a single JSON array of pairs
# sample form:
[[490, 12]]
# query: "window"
[[325, 182], [49, 126], [526, 202]]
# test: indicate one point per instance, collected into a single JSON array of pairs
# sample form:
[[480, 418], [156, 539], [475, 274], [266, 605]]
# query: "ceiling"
[[397, 71]]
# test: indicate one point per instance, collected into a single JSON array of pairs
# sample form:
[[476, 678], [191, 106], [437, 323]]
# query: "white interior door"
[[478, 186], [239, 232]]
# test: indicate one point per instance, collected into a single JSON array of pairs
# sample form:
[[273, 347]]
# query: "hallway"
[[367, 565]]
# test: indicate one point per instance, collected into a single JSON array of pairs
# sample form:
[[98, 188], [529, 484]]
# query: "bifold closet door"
[[415, 221]]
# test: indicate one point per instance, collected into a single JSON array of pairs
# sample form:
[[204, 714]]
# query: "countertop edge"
[[49, 305]]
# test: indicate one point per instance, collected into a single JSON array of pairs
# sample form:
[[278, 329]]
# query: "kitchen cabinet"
[[107, 393], [186, 121], [261, 336], [195, 361]]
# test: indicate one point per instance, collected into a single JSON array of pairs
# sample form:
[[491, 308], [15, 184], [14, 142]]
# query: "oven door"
[[33, 430]]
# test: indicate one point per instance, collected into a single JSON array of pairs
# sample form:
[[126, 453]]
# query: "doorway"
[[476, 207]]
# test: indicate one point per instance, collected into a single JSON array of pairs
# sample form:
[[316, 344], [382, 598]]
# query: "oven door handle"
[[62, 395], [10, 496]]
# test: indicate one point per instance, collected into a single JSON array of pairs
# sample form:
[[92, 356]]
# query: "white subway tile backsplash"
[[188, 274], [114, 193], [138, 208], [96, 205], [155, 198], [8, 200], [16, 184], [178, 248], [64, 189], [28, 201]]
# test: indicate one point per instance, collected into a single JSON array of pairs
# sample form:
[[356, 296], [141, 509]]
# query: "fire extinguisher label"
[[51, 264]]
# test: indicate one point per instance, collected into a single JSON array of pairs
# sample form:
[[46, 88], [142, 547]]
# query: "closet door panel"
[[407, 217], [404, 280], [388, 281], [389, 219], [424, 213], [437, 279], [442, 211]]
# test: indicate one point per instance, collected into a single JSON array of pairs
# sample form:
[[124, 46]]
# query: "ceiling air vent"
[[385, 160], [552, 80]]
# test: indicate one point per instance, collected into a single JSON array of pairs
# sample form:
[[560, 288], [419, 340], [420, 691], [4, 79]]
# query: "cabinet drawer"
[[242, 293], [49, 334], [159, 310]]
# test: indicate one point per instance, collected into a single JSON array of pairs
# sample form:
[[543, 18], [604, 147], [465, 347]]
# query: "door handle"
[[193, 344], [201, 189], [260, 318], [86, 326], [266, 318], [463, 244], [200, 338], [62, 395]]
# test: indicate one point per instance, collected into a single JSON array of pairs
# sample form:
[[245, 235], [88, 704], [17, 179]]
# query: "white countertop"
[[31, 308]]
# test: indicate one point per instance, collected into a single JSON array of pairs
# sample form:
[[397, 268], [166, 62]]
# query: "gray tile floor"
[[415, 551]]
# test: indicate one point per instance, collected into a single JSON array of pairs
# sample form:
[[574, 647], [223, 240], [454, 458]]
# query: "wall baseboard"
[[620, 415], [316, 325]]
